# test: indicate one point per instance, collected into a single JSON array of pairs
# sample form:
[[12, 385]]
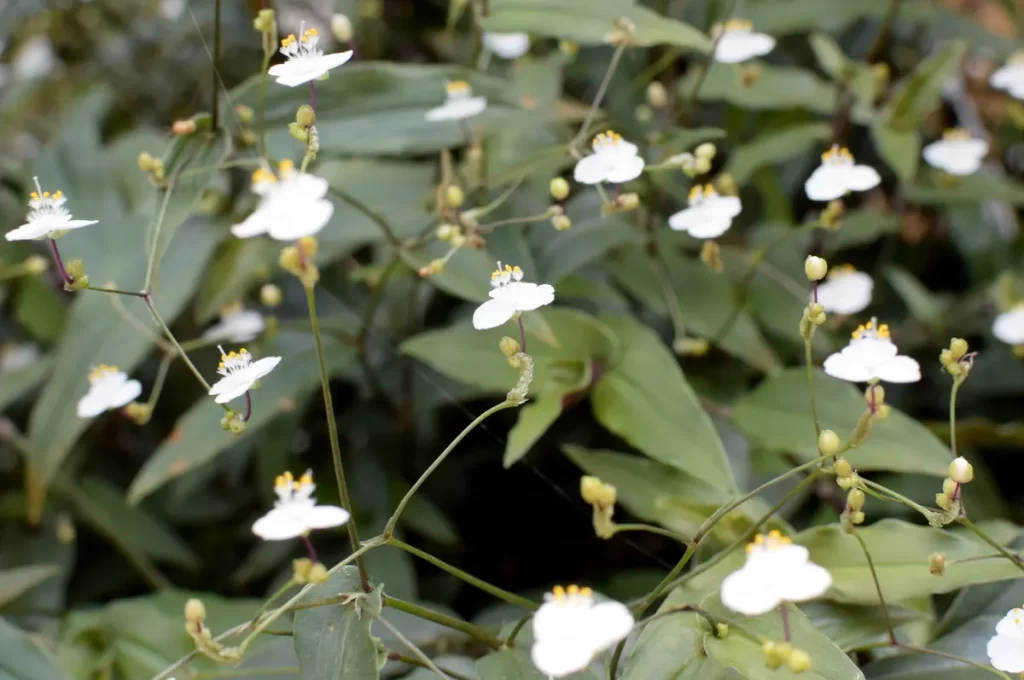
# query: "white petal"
[[846, 293], [625, 169], [734, 46], [78, 224], [1009, 77], [296, 72], [899, 369], [255, 224], [957, 157], [27, 232], [91, 405], [1006, 653], [127, 394], [846, 367], [457, 109], [531, 296], [230, 387], [609, 622], [1010, 624], [492, 314], [325, 516], [862, 178], [1009, 327], [806, 583], [686, 219], [826, 183], [278, 525], [307, 221], [591, 169], [726, 207], [260, 368], [330, 61], [712, 226], [507, 45], [744, 592], [242, 326], [558, 659]]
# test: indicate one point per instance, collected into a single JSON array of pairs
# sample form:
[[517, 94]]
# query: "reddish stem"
[[309, 548], [248, 407], [60, 263], [784, 612], [522, 336], [312, 94]]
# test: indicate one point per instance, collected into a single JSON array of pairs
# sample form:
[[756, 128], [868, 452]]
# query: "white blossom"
[[1006, 648], [839, 174], [956, 153], [709, 215], [459, 103], [776, 571], [36, 59], [306, 62], [236, 325], [240, 373], [1010, 77], [295, 512], [1009, 326], [109, 388], [507, 45], [614, 160], [14, 357], [48, 218], [737, 41], [509, 296], [293, 205], [570, 629], [845, 291], [872, 355]]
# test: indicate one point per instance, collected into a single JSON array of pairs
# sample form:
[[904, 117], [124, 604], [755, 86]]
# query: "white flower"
[[709, 215], [13, 357], [1009, 326], [776, 571], [1006, 648], [871, 355], [569, 630], [846, 291], [48, 218], [507, 45], [510, 295], [738, 42], [956, 153], [236, 325], [34, 60], [240, 374], [108, 388], [305, 62], [459, 104], [172, 9], [838, 174], [295, 512], [1010, 77], [293, 205], [614, 160]]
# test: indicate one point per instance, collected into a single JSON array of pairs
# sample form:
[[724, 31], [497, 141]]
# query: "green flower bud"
[[195, 611], [453, 196], [270, 295], [815, 268], [828, 443], [509, 347], [559, 189], [305, 115], [960, 471], [657, 95], [341, 27], [855, 500], [799, 661], [937, 564], [949, 487], [843, 469]]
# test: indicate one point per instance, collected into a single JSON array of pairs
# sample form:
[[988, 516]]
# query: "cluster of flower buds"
[[622, 203], [949, 499], [265, 22], [153, 166], [937, 564], [522, 362], [853, 513], [298, 260], [832, 216], [305, 570], [956, 360], [304, 124], [79, 280], [622, 33], [602, 498], [233, 422], [138, 412], [711, 255], [778, 654], [195, 626]]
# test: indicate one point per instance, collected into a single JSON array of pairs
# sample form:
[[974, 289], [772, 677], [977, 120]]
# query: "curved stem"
[[878, 586], [65, 277], [215, 80], [449, 622], [248, 407], [651, 529], [992, 542], [957, 381], [181, 352], [601, 90], [117, 291], [954, 657], [332, 430], [809, 361]]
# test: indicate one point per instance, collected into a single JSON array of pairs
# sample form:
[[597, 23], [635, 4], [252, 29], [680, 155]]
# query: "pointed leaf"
[[535, 418], [15, 582], [23, 659]]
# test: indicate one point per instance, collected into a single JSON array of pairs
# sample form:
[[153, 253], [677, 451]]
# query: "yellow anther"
[[845, 154], [262, 175], [956, 134], [558, 592], [288, 40], [34, 196], [58, 194], [310, 33], [101, 370], [586, 592], [516, 270], [280, 482], [286, 167], [46, 194], [775, 534], [457, 87], [883, 331], [841, 270], [306, 479], [696, 191], [709, 191], [573, 590], [739, 25]]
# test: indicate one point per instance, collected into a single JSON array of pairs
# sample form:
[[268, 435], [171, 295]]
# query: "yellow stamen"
[[709, 191], [609, 138], [558, 592], [310, 33], [58, 194], [34, 196], [288, 40], [262, 175], [286, 167], [306, 479], [457, 87], [696, 191], [957, 134], [231, 308], [841, 270], [837, 152], [99, 371]]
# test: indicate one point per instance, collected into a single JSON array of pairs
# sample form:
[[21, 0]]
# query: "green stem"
[[417, 652], [515, 220], [246, 672], [660, 589], [161, 378], [511, 639], [511, 598], [651, 529], [992, 542], [215, 78], [661, 272], [389, 530], [957, 381], [268, 53], [332, 430], [706, 66], [954, 657], [896, 497], [290, 583], [809, 361], [377, 218], [878, 586], [449, 622], [413, 661], [612, 65], [117, 291], [181, 352]]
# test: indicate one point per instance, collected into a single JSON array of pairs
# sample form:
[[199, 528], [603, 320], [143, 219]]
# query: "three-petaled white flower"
[[1009, 326], [846, 291], [956, 153], [872, 355], [48, 218], [776, 571], [709, 215], [509, 296], [738, 42], [507, 45], [1010, 77], [459, 103], [109, 388], [614, 160], [839, 174], [570, 629], [292, 204], [295, 512], [1006, 648], [236, 325], [240, 374], [305, 61]]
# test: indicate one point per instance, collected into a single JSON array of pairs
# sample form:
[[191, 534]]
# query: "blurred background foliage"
[[134, 518]]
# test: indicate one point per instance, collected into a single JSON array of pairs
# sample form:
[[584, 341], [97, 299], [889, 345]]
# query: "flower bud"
[[749, 75], [305, 115], [596, 492], [509, 347], [35, 264], [195, 611], [857, 517], [644, 114], [299, 132], [828, 444], [799, 661], [943, 501], [309, 246], [559, 189], [721, 630], [937, 564], [290, 260], [75, 268], [300, 570], [958, 348], [145, 161], [874, 395], [568, 48], [960, 471], [783, 651], [883, 412], [657, 95], [946, 358], [245, 113], [561, 222], [855, 500], [703, 165], [457, 240], [65, 529], [183, 127], [453, 196], [341, 27], [629, 201], [832, 215], [842, 468], [317, 573], [690, 347], [237, 426], [139, 413], [711, 255], [264, 21], [446, 231], [434, 267], [270, 295], [706, 150], [726, 185], [815, 268], [770, 658], [949, 487]]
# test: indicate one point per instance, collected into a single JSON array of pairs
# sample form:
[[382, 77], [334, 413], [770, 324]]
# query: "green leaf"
[[901, 149], [781, 17], [22, 659], [583, 21], [198, 437], [645, 399], [922, 90], [512, 664], [677, 140], [776, 416], [15, 383], [40, 310], [967, 641], [534, 420], [775, 146], [924, 305], [15, 582], [377, 108], [852, 627], [981, 186], [777, 87], [239, 263], [859, 78], [672, 647], [335, 642]]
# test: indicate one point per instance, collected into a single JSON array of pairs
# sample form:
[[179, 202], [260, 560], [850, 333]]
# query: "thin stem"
[[248, 407], [878, 586], [612, 65], [60, 263], [117, 291], [878, 43], [668, 291], [706, 66], [957, 381], [389, 231], [954, 657], [214, 80], [896, 497], [522, 334], [310, 550], [992, 542], [511, 598], [161, 378], [515, 220], [787, 634], [174, 341], [660, 589], [389, 530], [312, 94], [449, 622], [268, 53], [273, 598], [413, 661], [809, 362], [332, 429], [511, 639], [651, 529], [424, 659], [168, 190]]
